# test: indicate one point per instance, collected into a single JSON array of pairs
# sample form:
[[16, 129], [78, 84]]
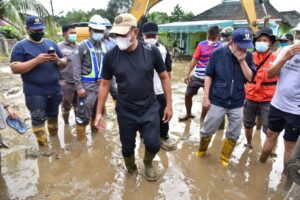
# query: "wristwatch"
[[58, 63]]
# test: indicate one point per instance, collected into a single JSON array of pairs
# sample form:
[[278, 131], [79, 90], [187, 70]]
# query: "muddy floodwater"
[[67, 169]]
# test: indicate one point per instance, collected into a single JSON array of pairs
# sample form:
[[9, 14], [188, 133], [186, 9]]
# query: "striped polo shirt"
[[202, 54]]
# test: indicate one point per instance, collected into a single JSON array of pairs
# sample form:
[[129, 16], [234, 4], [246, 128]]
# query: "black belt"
[[266, 83]]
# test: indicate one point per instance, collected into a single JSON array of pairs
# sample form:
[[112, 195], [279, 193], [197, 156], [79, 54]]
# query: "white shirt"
[[287, 94], [156, 80]]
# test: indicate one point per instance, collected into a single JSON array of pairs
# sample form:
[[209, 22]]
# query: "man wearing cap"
[[150, 34], [67, 83], [259, 93], [87, 63], [229, 68], [39, 69], [198, 64], [285, 106], [226, 34], [133, 63]]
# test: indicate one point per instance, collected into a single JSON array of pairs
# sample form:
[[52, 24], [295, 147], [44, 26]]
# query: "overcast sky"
[[195, 6]]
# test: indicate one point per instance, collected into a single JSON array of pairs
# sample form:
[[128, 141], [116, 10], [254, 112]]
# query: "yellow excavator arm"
[[141, 7], [249, 8]]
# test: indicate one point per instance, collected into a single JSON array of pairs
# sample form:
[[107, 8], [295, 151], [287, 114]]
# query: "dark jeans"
[[164, 127], [42, 107], [69, 96], [147, 123]]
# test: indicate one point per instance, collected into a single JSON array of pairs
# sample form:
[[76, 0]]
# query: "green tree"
[[159, 17], [15, 11], [178, 15], [116, 7]]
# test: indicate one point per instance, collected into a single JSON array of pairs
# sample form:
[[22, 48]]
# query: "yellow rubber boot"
[[40, 134], [52, 126], [80, 128], [228, 147], [204, 142]]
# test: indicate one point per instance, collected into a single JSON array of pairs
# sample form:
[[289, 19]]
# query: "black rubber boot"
[[150, 171], [130, 163]]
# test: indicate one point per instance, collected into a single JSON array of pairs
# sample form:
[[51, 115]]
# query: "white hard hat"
[[97, 22], [107, 22]]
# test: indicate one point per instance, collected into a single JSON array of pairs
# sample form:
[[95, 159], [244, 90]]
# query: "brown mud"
[[68, 169]]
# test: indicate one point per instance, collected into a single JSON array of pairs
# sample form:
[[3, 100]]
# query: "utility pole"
[[52, 7]]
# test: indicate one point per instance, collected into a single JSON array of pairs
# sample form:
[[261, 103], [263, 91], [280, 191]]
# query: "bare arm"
[[192, 64], [207, 85], [276, 68], [246, 70], [102, 94], [165, 80], [24, 67]]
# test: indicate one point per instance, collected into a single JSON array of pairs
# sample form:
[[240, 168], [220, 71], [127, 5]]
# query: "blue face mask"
[[97, 36], [284, 44], [72, 38], [261, 46]]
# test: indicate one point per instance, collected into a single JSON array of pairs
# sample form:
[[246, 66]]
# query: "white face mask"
[[152, 41], [297, 42], [212, 43], [123, 43]]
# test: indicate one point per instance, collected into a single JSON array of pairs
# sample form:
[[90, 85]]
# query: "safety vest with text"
[[95, 75]]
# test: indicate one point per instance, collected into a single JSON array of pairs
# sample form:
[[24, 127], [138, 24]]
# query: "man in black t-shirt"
[[133, 63]]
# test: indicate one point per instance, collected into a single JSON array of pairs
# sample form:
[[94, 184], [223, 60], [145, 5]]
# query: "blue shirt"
[[228, 81], [44, 78]]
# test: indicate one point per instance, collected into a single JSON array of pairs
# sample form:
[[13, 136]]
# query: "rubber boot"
[[65, 117], [204, 142], [150, 171], [52, 126], [130, 163], [93, 127], [80, 129], [228, 147], [40, 134], [293, 169]]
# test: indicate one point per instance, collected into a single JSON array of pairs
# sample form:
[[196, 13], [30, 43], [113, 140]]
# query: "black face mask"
[[36, 36]]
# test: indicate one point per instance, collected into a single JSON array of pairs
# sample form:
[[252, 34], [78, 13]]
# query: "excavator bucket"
[[249, 8]]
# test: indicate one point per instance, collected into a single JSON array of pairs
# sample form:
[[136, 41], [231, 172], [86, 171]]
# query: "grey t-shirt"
[[134, 74], [287, 94]]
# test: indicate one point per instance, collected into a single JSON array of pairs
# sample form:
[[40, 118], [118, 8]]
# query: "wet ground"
[[67, 169]]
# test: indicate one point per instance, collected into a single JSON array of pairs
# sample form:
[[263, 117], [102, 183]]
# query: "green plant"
[[10, 32]]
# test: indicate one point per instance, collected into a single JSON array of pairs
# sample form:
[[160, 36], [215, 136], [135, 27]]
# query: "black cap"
[[286, 37], [265, 31], [150, 28]]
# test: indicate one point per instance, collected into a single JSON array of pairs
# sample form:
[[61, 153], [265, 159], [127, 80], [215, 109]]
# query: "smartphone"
[[51, 50]]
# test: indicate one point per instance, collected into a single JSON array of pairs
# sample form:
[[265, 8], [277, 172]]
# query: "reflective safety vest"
[[95, 75], [262, 89]]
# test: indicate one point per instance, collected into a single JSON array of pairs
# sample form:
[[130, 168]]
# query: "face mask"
[[72, 38], [212, 43], [261, 46], [284, 44], [152, 41], [123, 43], [36, 36], [297, 41], [97, 36]]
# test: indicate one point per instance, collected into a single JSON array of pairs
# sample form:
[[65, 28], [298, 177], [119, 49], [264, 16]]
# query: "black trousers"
[[164, 127], [147, 123]]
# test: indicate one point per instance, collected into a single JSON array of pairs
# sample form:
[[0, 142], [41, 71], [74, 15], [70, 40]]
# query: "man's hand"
[[43, 57], [81, 92], [168, 113], [11, 112], [291, 52], [98, 123], [54, 57], [240, 56], [206, 103], [187, 79]]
